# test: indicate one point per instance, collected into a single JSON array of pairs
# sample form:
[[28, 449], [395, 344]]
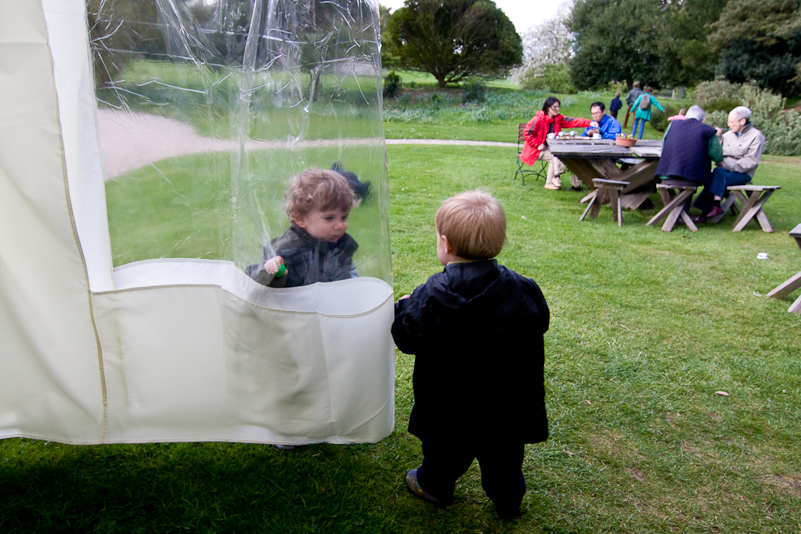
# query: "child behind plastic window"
[[316, 246]]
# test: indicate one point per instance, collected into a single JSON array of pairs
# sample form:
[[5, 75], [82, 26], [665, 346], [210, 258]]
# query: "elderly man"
[[688, 149], [742, 148]]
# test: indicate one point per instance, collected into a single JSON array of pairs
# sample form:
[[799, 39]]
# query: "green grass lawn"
[[646, 327]]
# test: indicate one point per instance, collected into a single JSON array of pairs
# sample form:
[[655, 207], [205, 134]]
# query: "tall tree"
[[548, 43], [454, 39], [615, 41], [760, 40], [660, 42], [686, 55]]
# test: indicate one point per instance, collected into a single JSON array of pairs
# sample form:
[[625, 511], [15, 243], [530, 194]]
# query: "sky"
[[523, 13]]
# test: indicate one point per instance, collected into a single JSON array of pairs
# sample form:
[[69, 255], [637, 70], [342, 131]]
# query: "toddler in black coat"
[[476, 329]]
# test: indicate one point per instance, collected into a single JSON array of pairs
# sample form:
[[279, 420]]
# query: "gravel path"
[[131, 140]]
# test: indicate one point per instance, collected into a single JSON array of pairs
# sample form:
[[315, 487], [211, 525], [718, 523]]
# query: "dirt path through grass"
[[129, 141]]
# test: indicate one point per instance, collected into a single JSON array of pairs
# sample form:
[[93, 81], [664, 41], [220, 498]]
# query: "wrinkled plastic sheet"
[[208, 108]]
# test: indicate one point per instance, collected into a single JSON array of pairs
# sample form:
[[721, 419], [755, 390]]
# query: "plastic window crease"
[[207, 109]]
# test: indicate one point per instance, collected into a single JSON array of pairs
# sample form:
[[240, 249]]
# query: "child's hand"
[[273, 264], [403, 297]]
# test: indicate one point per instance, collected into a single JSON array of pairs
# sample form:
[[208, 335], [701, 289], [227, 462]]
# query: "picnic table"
[[597, 158], [792, 283]]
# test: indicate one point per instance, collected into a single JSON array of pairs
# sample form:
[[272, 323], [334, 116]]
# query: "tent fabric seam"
[[76, 237], [173, 286]]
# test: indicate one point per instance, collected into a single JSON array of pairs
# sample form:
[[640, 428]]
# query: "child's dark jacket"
[[308, 259], [477, 332]]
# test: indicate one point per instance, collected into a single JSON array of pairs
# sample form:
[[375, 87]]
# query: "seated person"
[[315, 247], [545, 122], [604, 125], [688, 149], [680, 117], [607, 125], [742, 148]]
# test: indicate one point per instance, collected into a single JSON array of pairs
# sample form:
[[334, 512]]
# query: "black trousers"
[[501, 470]]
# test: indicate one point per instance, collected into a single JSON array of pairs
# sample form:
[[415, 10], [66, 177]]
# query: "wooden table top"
[[604, 148]]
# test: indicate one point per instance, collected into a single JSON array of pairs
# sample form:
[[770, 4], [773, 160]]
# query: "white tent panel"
[[163, 350], [48, 350]]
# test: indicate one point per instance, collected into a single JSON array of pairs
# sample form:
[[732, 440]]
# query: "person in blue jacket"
[[642, 110], [608, 126]]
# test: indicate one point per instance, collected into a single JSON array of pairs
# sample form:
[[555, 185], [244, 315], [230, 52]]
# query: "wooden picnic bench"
[[751, 198], [676, 196], [606, 189], [792, 283]]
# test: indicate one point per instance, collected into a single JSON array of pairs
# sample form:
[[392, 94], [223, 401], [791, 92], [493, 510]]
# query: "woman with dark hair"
[[548, 121]]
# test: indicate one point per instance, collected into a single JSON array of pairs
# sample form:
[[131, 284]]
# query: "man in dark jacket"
[[689, 148], [615, 105], [476, 329]]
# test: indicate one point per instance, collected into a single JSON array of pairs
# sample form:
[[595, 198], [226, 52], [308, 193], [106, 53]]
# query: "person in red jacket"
[[549, 120]]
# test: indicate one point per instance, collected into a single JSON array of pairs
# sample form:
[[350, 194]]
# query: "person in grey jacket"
[[630, 98], [742, 149]]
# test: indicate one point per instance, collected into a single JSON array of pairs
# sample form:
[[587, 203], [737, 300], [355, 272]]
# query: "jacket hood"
[[485, 288]]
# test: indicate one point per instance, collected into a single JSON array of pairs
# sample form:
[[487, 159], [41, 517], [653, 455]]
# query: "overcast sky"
[[523, 13]]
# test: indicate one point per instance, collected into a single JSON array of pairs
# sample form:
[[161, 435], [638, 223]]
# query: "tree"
[[660, 42], [454, 39], [686, 55], [388, 59], [547, 44], [615, 41], [760, 40]]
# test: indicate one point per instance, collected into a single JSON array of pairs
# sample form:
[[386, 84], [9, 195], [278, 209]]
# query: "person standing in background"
[[615, 105], [642, 110], [630, 98]]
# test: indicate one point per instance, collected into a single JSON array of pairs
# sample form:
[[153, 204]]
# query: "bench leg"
[[673, 210], [787, 287], [593, 197], [678, 211], [796, 306], [752, 207], [667, 201], [598, 201], [617, 208]]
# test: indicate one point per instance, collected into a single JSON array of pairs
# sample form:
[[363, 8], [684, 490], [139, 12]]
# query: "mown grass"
[[646, 327]]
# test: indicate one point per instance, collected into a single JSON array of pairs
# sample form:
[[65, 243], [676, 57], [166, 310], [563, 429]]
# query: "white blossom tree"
[[547, 43]]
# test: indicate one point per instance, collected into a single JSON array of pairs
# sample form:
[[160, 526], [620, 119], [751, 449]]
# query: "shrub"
[[392, 84], [475, 91], [717, 95], [555, 78], [659, 119], [782, 128], [614, 87]]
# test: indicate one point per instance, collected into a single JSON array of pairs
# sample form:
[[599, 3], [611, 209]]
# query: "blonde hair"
[[474, 223], [318, 189]]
